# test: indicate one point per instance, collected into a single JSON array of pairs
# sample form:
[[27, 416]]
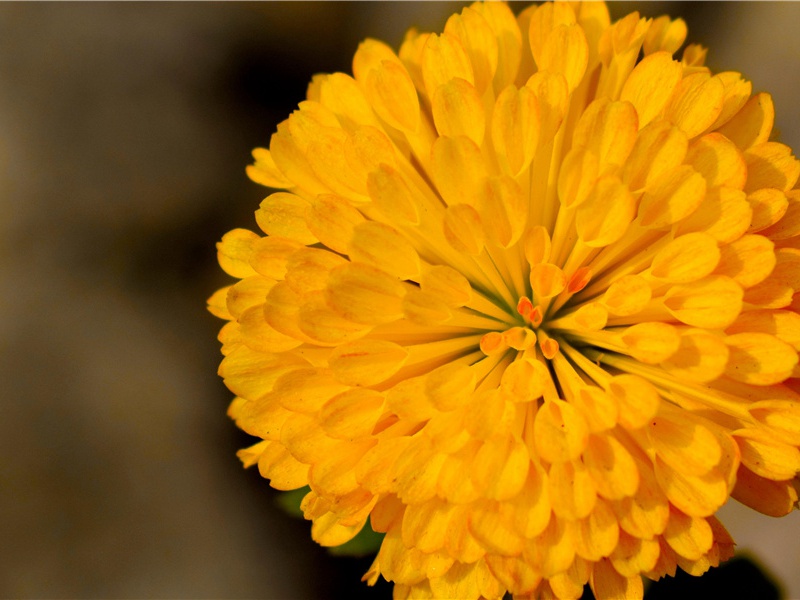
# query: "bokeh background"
[[124, 132]]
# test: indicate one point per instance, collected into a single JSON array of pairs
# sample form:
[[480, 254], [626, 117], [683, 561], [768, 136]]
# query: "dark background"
[[124, 132]]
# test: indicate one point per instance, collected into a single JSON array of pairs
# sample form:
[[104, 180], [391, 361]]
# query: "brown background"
[[124, 131]]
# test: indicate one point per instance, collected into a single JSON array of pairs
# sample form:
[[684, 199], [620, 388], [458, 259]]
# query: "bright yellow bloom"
[[527, 305]]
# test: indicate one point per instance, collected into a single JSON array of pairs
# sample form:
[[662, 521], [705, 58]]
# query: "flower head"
[[526, 305]]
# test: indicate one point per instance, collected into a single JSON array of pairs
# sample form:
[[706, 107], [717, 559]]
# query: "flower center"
[[555, 291]]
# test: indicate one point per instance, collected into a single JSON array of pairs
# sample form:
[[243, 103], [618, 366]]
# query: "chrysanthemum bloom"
[[526, 304]]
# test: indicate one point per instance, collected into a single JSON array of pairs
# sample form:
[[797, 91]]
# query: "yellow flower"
[[526, 305]]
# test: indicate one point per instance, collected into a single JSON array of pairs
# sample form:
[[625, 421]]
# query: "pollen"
[[523, 301]]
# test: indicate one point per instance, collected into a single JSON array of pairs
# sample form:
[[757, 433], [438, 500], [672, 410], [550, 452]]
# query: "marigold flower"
[[527, 305]]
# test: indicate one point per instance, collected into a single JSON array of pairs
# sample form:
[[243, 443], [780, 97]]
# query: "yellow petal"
[[234, 252], [759, 358], [780, 417], [500, 468], [691, 537], [634, 555], [292, 161], [598, 533], [766, 456], [605, 215], [364, 294], [266, 172], [659, 147], [553, 95], [307, 390], [384, 247], [249, 456], [672, 197], [351, 414], [463, 228], [771, 165], [341, 95], [327, 531], [611, 467], [696, 495], [217, 304], [701, 357], [531, 509], [480, 43], [576, 179], [560, 433], [572, 490], [308, 269], [424, 308], [789, 224], [450, 386], [260, 336], [270, 255], [773, 498], [566, 52], [724, 214], [769, 294], [628, 295], [504, 211], [508, 36], [543, 21], [515, 128], [408, 400], [458, 170], [444, 58], [783, 324], [769, 206], [687, 258], [425, 525], [524, 380], [391, 93], [651, 343], [752, 124], [696, 103], [513, 573], [718, 160], [331, 220], [787, 268], [748, 261], [637, 398], [598, 408], [650, 85], [664, 34], [447, 284], [547, 280], [366, 362], [281, 468], [554, 550], [392, 196], [285, 215], [250, 291], [644, 514], [324, 324], [736, 93], [252, 374], [460, 581], [684, 443], [608, 130], [457, 110], [606, 582], [711, 303]]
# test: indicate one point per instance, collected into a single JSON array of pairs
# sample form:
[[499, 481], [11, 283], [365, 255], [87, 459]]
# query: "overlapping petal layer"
[[526, 304]]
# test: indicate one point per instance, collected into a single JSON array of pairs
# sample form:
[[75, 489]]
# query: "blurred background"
[[124, 132]]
